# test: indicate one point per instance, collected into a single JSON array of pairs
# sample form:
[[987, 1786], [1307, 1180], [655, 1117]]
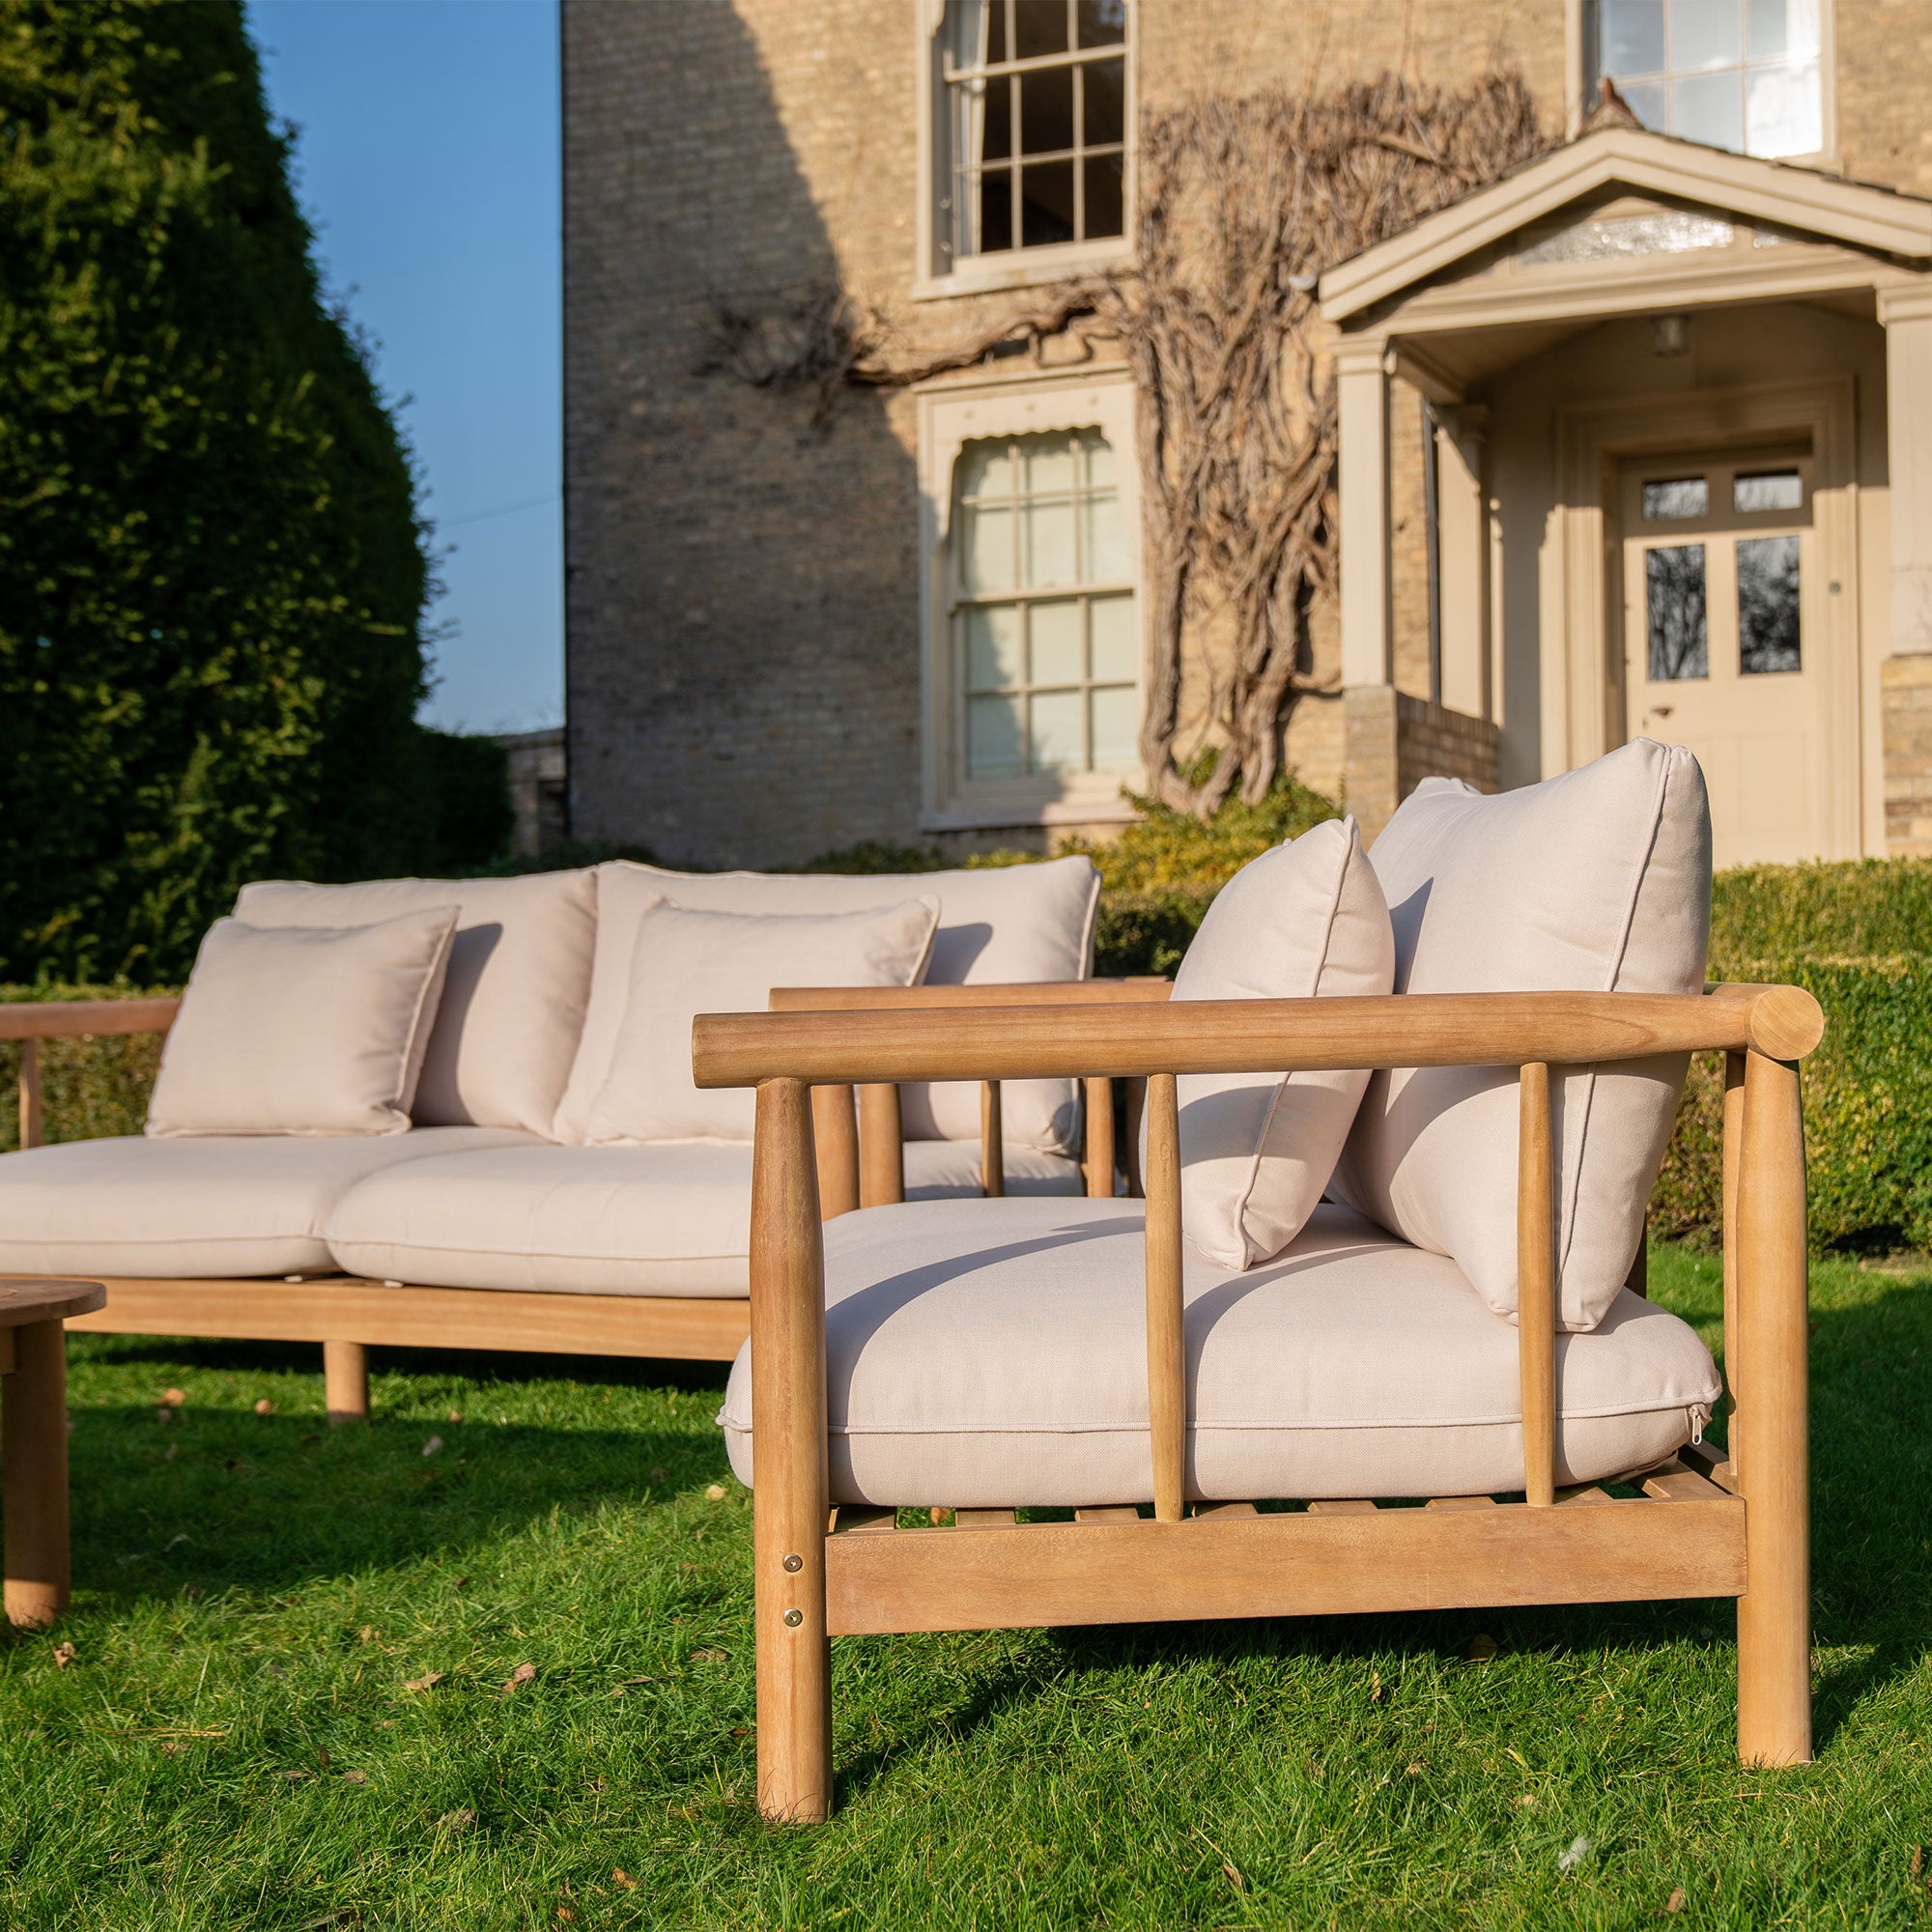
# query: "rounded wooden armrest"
[[68, 1019], [1135, 1039]]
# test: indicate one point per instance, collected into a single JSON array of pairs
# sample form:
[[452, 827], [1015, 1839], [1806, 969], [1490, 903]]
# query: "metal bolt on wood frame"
[[1701, 1527]]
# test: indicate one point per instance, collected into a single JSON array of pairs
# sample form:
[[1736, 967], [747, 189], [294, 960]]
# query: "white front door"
[[1723, 642]]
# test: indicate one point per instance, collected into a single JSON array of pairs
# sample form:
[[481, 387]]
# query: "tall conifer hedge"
[[212, 572]]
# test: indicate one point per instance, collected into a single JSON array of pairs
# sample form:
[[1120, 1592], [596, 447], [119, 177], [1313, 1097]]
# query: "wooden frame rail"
[[1748, 1536]]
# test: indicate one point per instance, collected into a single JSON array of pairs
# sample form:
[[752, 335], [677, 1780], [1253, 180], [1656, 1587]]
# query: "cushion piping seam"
[[1249, 1256]]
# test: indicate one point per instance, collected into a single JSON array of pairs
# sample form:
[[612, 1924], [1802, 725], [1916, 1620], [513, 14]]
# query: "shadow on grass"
[[207, 1498]]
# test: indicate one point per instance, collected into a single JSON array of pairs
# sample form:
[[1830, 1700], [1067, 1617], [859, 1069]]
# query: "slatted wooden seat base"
[[1683, 1537]]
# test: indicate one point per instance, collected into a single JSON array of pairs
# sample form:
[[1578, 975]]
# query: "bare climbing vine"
[[1242, 202]]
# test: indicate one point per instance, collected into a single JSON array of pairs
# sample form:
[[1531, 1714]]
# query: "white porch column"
[[1906, 313], [1361, 387], [1463, 541]]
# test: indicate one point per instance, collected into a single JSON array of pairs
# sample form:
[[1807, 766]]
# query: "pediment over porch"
[[1624, 222]]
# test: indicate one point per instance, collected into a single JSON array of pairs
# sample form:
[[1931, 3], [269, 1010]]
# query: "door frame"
[[1582, 651]]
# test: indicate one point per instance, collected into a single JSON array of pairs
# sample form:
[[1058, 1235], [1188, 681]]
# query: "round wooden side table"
[[33, 1442]]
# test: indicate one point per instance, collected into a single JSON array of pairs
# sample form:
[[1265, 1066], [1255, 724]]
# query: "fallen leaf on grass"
[[1675, 1902], [172, 1449], [311, 1439], [710, 1656], [715, 1492], [264, 1406], [1374, 1686], [356, 1777], [1482, 1647], [659, 1473], [173, 1398], [564, 1912], [323, 1756], [456, 1416], [624, 1879], [1579, 1850], [1415, 1771], [63, 1654], [459, 1584], [164, 1413], [1526, 1803], [522, 1674], [457, 1821], [293, 1776], [1233, 1877], [423, 1682], [434, 1443]]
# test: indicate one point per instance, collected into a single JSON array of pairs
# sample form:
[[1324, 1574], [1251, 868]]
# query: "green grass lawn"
[[289, 1702]]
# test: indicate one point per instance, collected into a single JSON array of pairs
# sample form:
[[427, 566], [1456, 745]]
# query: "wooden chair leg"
[[345, 1380], [789, 1490], [1775, 1612], [33, 1476]]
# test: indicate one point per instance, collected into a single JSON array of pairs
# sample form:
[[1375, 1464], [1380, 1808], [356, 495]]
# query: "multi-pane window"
[[1745, 74], [1045, 642], [1765, 571], [1035, 124]]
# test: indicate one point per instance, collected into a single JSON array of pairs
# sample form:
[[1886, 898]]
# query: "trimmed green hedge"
[[1868, 1110]]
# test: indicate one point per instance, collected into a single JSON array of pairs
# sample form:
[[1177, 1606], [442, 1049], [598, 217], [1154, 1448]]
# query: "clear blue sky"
[[428, 162]]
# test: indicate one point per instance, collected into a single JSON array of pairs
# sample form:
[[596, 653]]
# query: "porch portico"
[[1681, 408]]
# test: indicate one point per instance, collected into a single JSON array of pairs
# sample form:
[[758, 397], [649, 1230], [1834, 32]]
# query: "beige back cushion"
[[519, 983], [1597, 881], [686, 963], [313, 1031], [1304, 921], [999, 924]]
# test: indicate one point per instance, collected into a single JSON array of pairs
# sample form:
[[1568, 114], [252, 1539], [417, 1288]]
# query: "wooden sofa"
[[1705, 1525], [861, 1162]]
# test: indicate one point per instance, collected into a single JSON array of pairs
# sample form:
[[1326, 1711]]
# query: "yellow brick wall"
[[742, 580]]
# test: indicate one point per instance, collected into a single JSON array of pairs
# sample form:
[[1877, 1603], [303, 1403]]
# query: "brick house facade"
[[797, 622]]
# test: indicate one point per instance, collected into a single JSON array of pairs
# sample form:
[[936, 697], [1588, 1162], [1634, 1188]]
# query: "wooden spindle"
[[1775, 1612], [1734, 1143], [834, 1133], [789, 1507], [1098, 1166], [1536, 1287], [344, 1381], [30, 1093], [881, 1146], [992, 1142], [1167, 1353]]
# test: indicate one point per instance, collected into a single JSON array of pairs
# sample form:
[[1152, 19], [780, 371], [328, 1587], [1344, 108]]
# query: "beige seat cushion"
[[513, 1002], [996, 924], [1597, 881], [667, 1218], [1305, 921], [993, 1353], [949, 1171], [688, 963], [197, 1206], [317, 1030]]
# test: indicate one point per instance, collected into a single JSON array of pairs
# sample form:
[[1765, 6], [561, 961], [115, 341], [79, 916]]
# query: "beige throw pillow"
[[303, 1030], [688, 963], [1305, 921], [996, 924], [1597, 881], [506, 1032]]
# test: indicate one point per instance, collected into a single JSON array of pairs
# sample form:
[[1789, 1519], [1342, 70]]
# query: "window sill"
[[1023, 268], [1095, 808]]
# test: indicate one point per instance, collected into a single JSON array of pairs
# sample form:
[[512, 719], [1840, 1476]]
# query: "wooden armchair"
[[1703, 1529]]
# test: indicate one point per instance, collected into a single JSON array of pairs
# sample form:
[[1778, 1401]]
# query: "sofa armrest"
[[68, 1019], [30, 1021], [1137, 1038]]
